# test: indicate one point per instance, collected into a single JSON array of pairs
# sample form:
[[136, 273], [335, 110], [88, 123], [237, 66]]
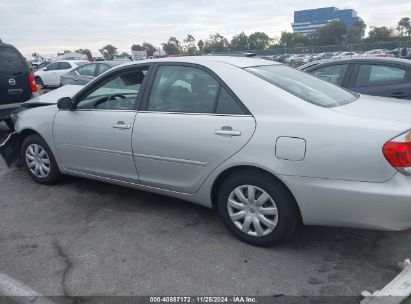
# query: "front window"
[[64, 66], [118, 93], [304, 86], [332, 73]]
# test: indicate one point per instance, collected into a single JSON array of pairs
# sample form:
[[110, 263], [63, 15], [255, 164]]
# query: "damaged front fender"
[[10, 150]]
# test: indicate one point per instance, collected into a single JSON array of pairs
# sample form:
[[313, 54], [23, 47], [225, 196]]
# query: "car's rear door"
[[382, 79], [188, 125], [14, 76]]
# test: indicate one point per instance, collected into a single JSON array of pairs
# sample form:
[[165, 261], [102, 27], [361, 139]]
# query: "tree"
[[380, 34], [200, 45], [86, 52], [108, 51], [137, 47], [356, 32], [172, 47], [216, 43], [331, 34], [239, 42], [149, 48], [258, 41], [404, 26], [292, 40], [190, 47]]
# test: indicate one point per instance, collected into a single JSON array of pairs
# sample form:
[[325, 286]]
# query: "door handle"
[[121, 125], [75, 79], [227, 131]]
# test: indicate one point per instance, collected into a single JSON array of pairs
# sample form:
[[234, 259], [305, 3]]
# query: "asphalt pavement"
[[83, 237]]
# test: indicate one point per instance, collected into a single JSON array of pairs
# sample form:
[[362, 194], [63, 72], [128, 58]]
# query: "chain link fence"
[[361, 47]]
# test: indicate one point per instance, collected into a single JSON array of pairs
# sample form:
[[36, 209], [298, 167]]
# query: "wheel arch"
[[248, 168]]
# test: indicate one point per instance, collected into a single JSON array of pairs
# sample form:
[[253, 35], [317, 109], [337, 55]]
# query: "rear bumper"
[[380, 206]]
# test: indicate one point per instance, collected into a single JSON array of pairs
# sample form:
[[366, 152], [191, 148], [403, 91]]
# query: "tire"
[[9, 124], [39, 82], [45, 161], [280, 226]]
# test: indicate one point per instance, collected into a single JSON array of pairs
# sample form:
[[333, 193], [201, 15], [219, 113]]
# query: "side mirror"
[[65, 103]]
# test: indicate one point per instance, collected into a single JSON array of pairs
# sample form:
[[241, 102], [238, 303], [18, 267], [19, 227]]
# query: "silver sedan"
[[264, 144]]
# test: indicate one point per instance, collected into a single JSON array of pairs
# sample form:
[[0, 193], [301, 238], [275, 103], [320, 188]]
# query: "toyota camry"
[[264, 144]]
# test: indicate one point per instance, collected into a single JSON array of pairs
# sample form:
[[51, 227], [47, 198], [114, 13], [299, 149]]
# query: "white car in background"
[[344, 55], [50, 76], [376, 53]]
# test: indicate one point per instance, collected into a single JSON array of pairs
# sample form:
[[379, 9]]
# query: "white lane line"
[[21, 293], [395, 292]]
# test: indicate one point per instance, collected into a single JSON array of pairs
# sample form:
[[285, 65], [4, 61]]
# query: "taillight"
[[398, 153], [32, 81]]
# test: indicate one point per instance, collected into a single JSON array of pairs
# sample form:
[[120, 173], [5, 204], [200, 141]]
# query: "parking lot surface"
[[89, 238]]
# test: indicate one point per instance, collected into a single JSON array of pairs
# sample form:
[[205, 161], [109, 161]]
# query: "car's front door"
[[381, 79], [63, 68], [95, 138], [49, 74], [85, 74], [188, 125], [334, 73]]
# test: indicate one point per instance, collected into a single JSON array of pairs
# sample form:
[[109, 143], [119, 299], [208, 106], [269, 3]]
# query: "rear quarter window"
[[10, 60]]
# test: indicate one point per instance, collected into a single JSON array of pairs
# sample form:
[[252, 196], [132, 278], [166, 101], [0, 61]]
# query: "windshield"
[[304, 86]]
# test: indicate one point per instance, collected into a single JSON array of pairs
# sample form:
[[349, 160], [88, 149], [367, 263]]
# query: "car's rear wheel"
[[257, 209], [39, 160]]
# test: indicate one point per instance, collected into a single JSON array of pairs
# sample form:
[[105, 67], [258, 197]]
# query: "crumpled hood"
[[378, 107], [52, 97]]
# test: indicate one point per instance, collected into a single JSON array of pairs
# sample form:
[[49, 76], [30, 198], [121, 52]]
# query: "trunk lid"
[[378, 107]]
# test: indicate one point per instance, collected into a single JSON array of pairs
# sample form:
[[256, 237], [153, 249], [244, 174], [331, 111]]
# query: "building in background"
[[307, 21]]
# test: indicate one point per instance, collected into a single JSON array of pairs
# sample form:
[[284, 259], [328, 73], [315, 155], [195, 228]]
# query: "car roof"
[[70, 61], [6, 44], [364, 59], [241, 62]]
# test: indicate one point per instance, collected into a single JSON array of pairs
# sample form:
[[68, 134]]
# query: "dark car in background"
[[377, 76], [86, 73], [17, 83]]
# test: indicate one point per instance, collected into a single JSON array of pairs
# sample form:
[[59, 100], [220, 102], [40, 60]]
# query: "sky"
[[51, 26]]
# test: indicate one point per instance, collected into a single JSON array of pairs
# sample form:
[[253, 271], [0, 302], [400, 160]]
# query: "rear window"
[[304, 86], [10, 61], [369, 75]]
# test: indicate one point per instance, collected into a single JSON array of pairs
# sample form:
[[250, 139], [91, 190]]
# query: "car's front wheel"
[[39, 82], [39, 160], [257, 209]]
